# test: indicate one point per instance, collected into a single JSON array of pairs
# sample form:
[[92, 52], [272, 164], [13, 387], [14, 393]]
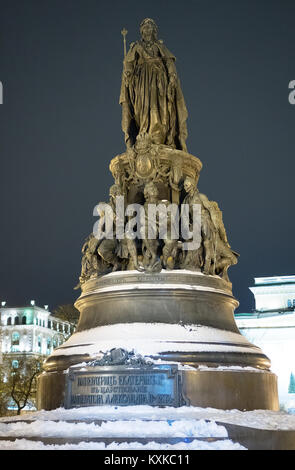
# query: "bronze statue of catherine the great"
[[151, 97]]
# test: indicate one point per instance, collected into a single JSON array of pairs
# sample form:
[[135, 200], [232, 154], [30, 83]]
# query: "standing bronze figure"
[[151, 97]]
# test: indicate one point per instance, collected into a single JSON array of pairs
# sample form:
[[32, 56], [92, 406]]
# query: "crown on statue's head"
[[147, 21]]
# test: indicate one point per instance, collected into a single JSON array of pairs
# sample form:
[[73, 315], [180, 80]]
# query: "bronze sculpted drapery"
[[156, 169], [151, 97]]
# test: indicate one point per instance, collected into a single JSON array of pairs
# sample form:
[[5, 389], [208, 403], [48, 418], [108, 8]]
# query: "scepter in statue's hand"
[[126, 73], [124, 33]]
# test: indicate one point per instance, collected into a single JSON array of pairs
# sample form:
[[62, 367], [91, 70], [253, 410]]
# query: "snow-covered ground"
[[188, 423], [187, 429], [24, 444], [259, 419]]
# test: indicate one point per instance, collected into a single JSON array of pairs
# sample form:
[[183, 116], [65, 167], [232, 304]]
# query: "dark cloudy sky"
[[60, 125]]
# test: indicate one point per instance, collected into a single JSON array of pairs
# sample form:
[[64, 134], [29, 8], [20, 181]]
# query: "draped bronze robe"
[[147, 105]]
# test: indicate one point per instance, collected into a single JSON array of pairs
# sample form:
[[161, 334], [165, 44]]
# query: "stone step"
[[260, 439], [110, 440], [249, 437], [47, 435]]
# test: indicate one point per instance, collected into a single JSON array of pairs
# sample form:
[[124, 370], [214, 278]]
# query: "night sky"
[[60, 125]]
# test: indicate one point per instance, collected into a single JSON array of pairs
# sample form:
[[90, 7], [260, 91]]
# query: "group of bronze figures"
[[149, 252], [154, 118]]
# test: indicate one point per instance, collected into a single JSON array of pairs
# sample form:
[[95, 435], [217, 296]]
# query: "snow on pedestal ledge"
[[149, 339]]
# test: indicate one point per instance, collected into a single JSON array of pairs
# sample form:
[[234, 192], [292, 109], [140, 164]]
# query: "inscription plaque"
[[123, 386]]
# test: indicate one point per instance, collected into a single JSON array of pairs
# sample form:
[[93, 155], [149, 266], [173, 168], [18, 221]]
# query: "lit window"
[[15, 339], [15, 342], [291, 388], [14, 364]]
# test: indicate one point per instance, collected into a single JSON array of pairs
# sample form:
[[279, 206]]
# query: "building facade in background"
[[271, 326], [30, 330], [28, 333]]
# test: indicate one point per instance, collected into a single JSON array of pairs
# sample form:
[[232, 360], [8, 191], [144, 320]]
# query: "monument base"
[[141, 322], [222, 389]]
